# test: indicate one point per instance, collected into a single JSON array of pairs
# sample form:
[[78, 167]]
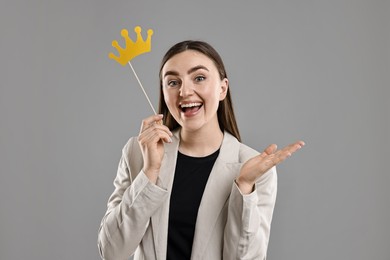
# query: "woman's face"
[[192, 90]]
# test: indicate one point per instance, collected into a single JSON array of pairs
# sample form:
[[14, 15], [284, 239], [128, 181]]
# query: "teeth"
[[191, 105]]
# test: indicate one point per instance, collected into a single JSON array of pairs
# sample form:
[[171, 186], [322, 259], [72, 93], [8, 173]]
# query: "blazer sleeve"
[[249, 218], [129, 208]]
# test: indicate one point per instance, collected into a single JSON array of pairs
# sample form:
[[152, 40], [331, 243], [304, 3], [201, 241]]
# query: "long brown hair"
[[226, 119]]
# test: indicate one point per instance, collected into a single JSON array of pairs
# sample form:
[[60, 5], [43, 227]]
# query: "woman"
[[187, 188]]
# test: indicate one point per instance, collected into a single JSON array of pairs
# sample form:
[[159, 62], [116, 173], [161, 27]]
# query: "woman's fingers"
[[286, 152], [147, 122], [270, 149], [152, 131], [292, 148], [271, 156], [156, 133]]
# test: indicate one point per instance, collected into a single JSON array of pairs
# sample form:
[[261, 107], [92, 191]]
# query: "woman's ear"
[[224, 89]]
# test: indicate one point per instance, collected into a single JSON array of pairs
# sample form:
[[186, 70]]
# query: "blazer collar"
[[160, 220], [216, 193]]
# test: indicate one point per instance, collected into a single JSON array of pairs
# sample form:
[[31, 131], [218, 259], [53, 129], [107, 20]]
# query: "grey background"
[[311, 70]]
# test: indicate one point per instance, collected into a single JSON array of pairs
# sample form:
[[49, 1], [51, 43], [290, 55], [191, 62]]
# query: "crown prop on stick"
[[131, 50]]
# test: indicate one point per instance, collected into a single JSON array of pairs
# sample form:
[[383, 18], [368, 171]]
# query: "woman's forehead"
[[188, 59]]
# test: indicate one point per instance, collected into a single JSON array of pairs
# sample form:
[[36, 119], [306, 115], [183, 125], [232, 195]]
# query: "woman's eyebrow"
[[171, 72], [199, 67], [193, 69]]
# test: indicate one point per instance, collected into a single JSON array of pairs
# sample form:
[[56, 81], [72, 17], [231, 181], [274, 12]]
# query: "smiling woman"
[[173, 80], [187, 188], [227, 121], [192, 90]]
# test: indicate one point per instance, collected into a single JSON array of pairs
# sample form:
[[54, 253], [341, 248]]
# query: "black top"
[[190, 179]]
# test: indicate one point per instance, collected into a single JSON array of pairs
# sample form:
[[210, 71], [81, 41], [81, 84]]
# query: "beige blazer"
[[229, 225]]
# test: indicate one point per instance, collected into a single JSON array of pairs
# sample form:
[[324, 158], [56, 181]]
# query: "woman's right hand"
[[151, 139]]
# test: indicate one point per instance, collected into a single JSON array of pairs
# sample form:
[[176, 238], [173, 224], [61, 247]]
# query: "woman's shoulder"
[[131, 145], [245, 152], [131, 152]]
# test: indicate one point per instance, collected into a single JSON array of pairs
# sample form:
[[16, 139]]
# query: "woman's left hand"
[[260, 164]]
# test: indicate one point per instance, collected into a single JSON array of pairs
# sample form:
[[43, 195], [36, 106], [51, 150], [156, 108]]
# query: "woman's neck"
[[200, 143]]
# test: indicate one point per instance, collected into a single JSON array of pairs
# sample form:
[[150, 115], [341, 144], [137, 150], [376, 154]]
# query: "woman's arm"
[[249, 219], [129, 209], [252, 202]]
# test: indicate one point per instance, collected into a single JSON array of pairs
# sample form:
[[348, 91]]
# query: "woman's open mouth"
[[190, 109]]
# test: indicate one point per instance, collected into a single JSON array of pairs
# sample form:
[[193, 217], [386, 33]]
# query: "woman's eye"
[[200, 78], [173, 83]]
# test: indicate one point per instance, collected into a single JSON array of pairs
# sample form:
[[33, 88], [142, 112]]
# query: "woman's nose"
[[186, 89]]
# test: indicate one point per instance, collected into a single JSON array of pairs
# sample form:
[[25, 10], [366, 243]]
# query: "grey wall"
[[312, 70]]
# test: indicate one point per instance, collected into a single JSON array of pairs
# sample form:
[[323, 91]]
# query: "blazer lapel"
[[216, 193], [160, 219]]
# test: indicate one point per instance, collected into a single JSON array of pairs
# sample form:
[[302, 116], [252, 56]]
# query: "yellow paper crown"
[[132, 49]]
